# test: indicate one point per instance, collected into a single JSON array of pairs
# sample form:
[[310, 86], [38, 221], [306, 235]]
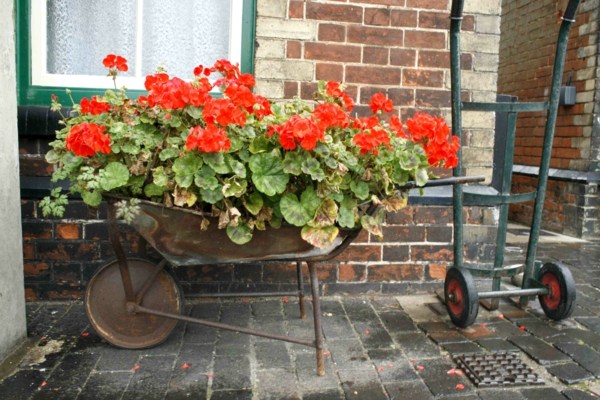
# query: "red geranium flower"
[[113, 61], [93, 106], [380, 103], [86, 139], [211, 139]]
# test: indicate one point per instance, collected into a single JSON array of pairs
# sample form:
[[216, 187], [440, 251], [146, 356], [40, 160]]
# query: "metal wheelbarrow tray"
[[133, 303]]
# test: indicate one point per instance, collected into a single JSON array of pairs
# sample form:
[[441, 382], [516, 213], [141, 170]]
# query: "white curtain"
[[177, 34]]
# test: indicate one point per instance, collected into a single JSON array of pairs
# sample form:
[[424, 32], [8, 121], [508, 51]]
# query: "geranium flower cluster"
[[253, 162]]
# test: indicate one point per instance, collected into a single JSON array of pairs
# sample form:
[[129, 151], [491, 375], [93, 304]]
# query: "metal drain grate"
[[497, 369]]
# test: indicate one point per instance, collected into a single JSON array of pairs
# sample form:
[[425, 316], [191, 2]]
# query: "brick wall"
[[399, 47], [526, 57]]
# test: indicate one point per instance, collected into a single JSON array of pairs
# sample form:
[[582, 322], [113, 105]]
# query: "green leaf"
[[240, 234], [421, 177], [292, 210], [217, 162], [360, 189], [348, 213], [310, 200], [326, 214], [205, 178], [268, 175], [292, 163], [313, 168], [259, 145], [168, 153], [92, 199], [320, 237], [152, 190], [234, 187], [237, 168], [373, 223], [160, 177], [254, 203], [212, 196], [194, 112], [185, 168], [113, 176]]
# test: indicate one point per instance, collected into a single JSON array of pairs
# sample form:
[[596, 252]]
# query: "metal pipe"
[[301, 290], [513, 293], [141, 309], [113, 236], [140, 294], [558, 68], [319, 340], [252, 294]]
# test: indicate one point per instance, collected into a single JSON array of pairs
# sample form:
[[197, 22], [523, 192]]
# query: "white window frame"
[[39, 40]]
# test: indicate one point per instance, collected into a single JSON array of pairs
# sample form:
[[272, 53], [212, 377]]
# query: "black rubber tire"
[[560, 302], [462, 300]]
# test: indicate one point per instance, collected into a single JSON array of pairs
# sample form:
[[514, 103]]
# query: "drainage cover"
[[496, 369]]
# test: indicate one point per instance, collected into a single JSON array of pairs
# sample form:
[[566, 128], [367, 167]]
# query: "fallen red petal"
[[522, 327], [381, 369], [460, 386], [501, 316], [366, 331], [420, 367], [286, 300], [185, 366], [210, 375], [85, 334], [44, 383], [135, 368]]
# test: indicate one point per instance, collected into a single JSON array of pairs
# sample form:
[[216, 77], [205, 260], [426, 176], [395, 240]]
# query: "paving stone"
[[545, 393], [337, 326], [231, 372], [436, 326], [245, 394], [189, 382], [267, 307], [272, 354], [438, 308], [151, 380], [414, 389], [397, 321], [198, 357], [383, 304], [434, 373], [461, 348], [592, 323], [105, 385], [373, 335], [577, 336], [478, 331], [270, 383], [537, 349], [417, 346], [503, 329], [331, 394], [498, 393], [537, 328], [309, 381], [21, 385], [46, 318], [195, 333], [583, 355], [392, 366], [72, 372], [115, 359], [570, 373], [497, 344], [447, 337], [362, 385], [347, 353], [575, 394], [359, 310]]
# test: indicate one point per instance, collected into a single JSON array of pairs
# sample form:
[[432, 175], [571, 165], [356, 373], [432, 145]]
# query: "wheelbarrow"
[[134, 303], [552, 282]]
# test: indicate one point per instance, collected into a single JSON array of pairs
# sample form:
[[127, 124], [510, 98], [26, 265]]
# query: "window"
[[61, 43]]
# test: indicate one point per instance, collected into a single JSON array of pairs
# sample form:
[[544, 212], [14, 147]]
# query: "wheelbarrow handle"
[[454, 180], [569, 14], [457, 9]]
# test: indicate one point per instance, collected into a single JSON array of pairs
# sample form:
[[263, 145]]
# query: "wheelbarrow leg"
[[301, 290], [314, 286], [115, 240]]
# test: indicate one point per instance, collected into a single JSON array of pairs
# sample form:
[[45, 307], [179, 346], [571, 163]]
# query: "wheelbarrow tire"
[[105, 305], [560, 301], [462, 300]]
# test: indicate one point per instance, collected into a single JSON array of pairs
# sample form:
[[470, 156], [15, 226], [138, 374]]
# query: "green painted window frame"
[[29, 95]]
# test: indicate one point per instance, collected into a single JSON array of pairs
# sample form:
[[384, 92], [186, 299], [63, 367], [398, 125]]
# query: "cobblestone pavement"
[[378, 347]]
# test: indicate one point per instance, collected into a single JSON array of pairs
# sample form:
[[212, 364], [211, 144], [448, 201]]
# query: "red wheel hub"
[[456, 300], [552, 299]]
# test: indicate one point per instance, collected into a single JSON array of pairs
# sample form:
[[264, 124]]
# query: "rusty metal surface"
[[176, 235], [497, 369], [106, 305]]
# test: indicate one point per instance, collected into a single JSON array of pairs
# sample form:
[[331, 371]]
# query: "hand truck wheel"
[[462, 301], [560, 301], [106, 308]]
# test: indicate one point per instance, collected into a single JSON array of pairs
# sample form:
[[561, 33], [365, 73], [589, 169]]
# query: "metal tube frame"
[[551, 109]]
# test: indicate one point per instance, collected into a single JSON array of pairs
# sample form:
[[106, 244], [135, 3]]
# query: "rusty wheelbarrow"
[[134, 303]]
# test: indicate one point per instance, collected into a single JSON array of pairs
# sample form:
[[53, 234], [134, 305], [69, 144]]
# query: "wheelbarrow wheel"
[[559, 302], [105, 305], [460, 292]]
